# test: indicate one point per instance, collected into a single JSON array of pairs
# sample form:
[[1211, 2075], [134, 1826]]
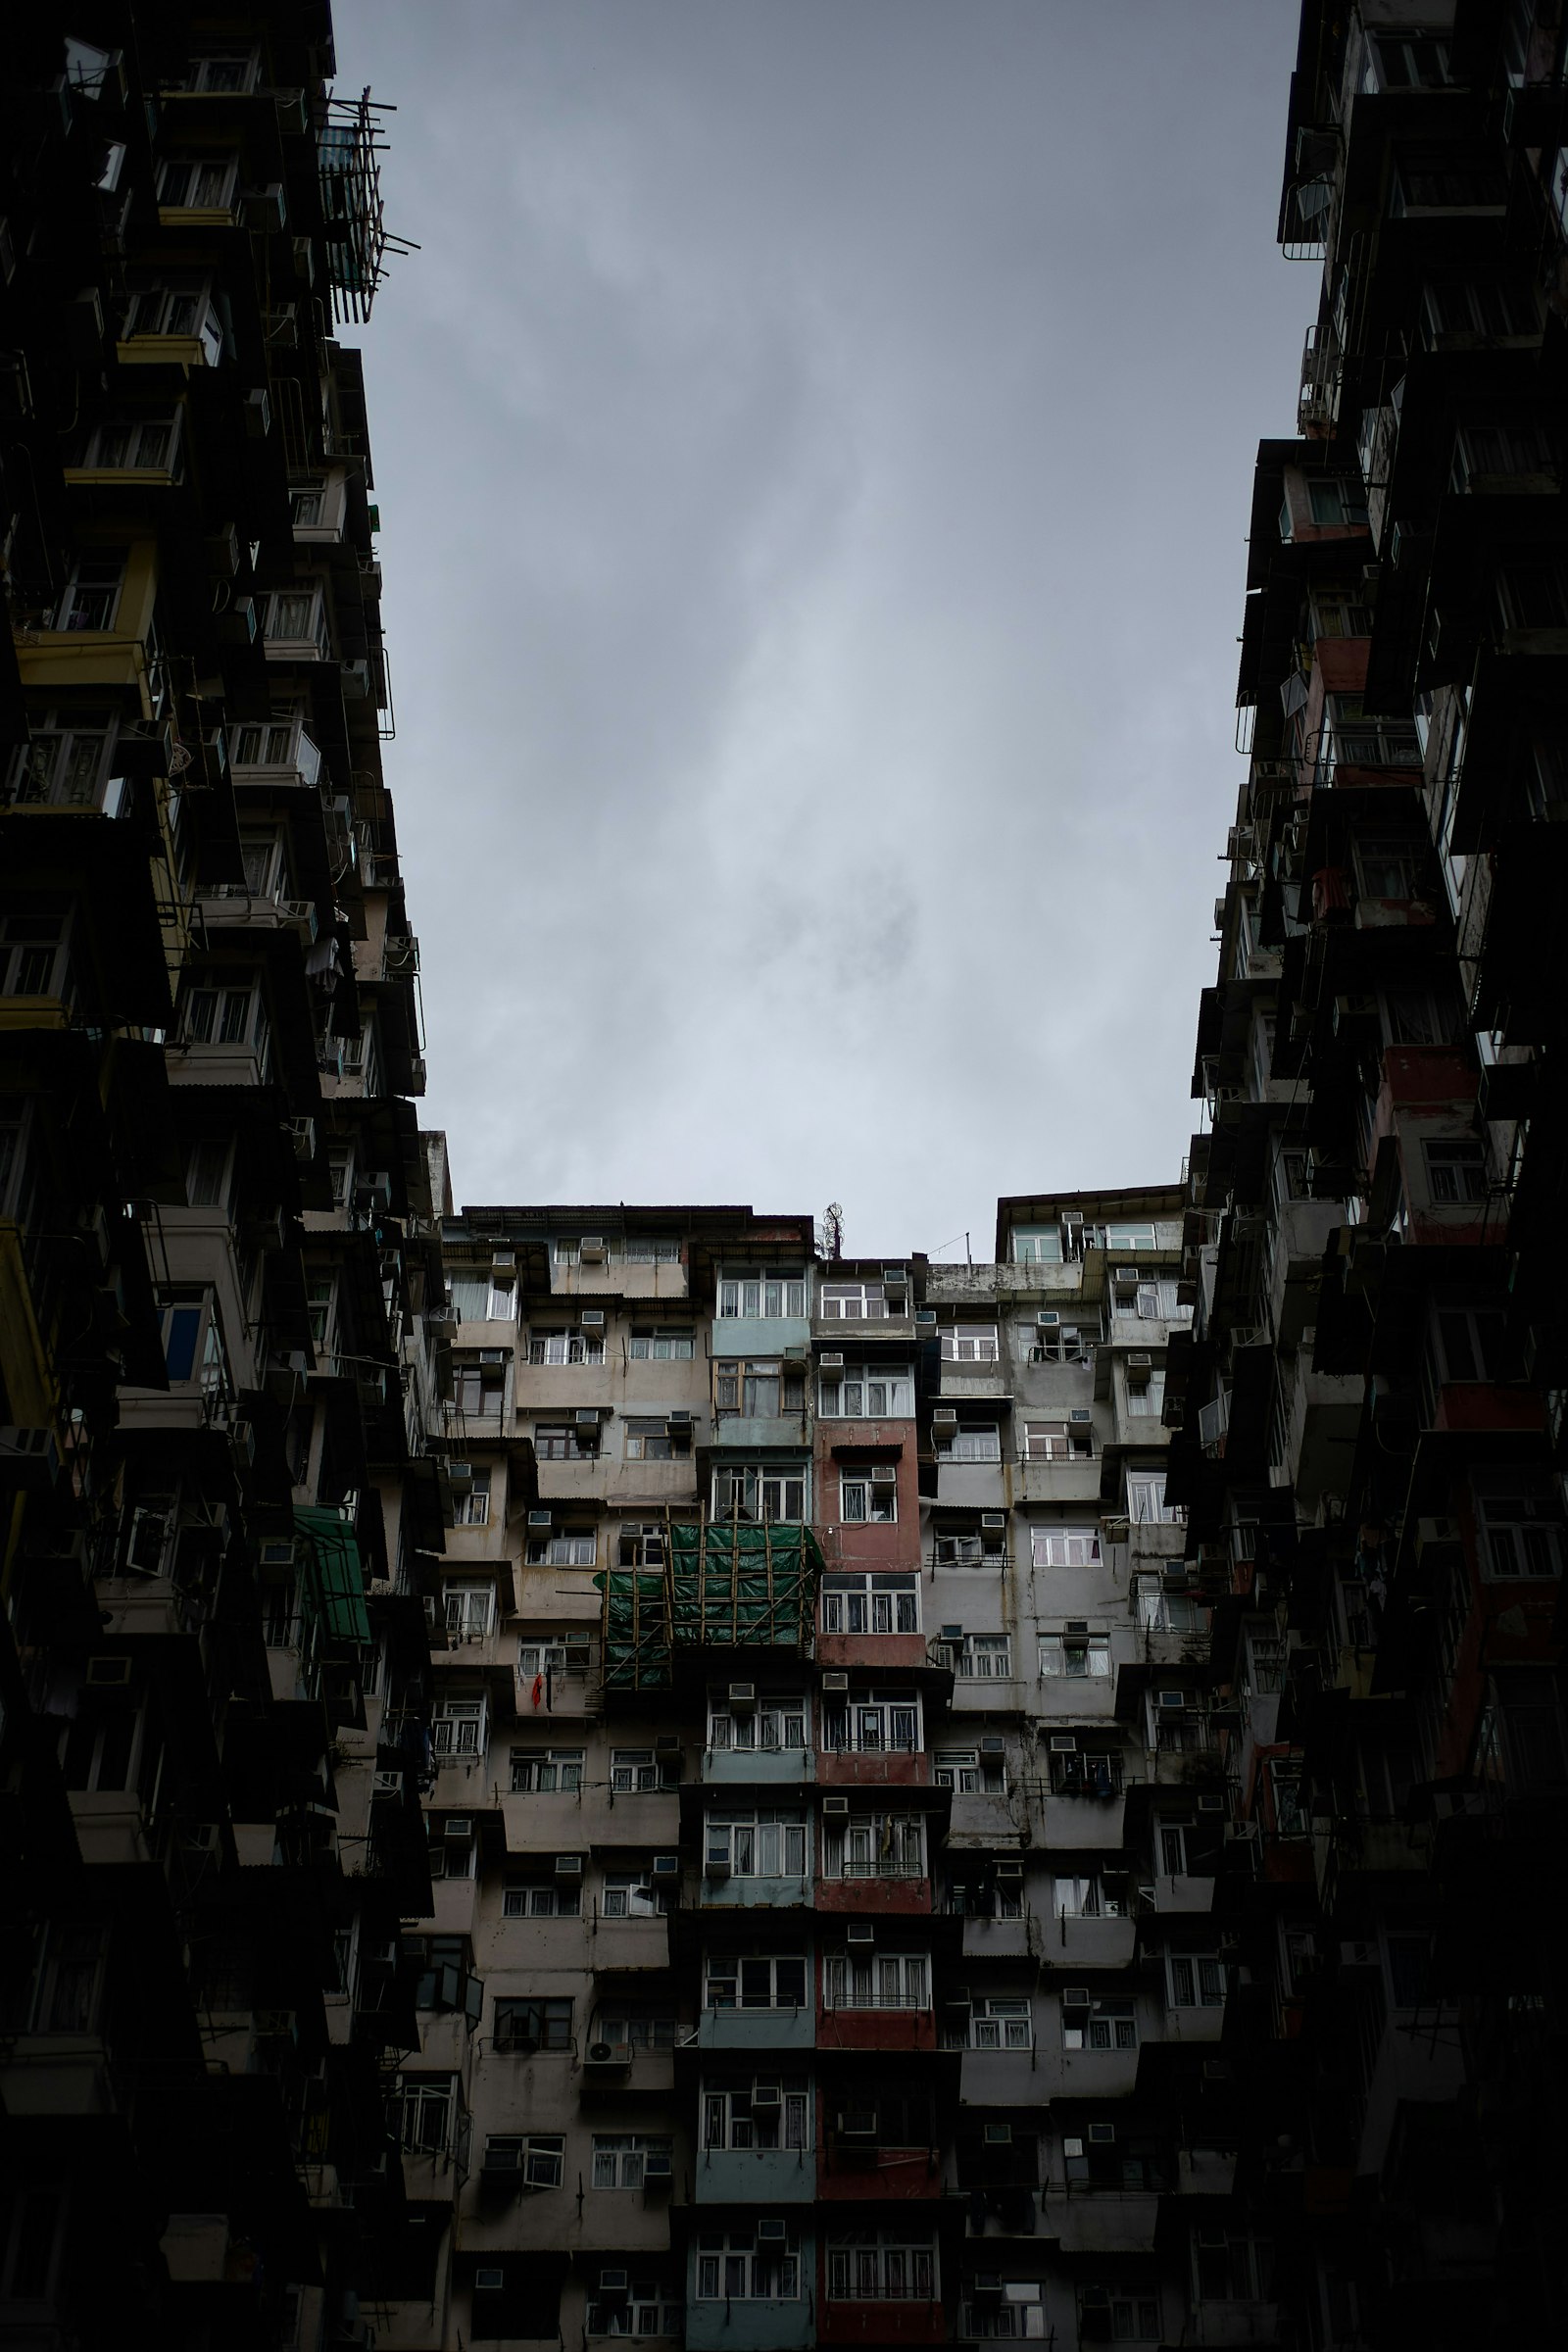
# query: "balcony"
[[997, 1939], [870, 2022], [1076, 1480], [1076, 1942], [788, 1891], [853, 2169], [751, 2327], [772, 2029], [852, 1767], [755, 2177], [981, 1817], [890, 1654], [758, 1767], [1177, 1891]]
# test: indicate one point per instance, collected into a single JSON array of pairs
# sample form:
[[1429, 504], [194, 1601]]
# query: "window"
[[471, 1506], [865, 2266], [982, 1657], [647, 2307], [479, 1385], [866, 1500], [1337, 612], [460, 1727], [757, 1981], [1232, 2268], [1150, 1399], [972, 1441], [776, 1722], [1080, 1896], [537, 2157], [533, 2023], [877, 1980], [761, 1297], [1053, 1343], [659, 1346], [307, 510], [1532, 595], [68, 763], [1522, 446], [969, 1344], [1124, 2317], [1162, 1612], [753, 1845], [1052, 1547], [874, 1845], [1194, 1979], [33, 2244], [1470, 1342], [734, 2267], [225, 1008], [569, 1548], [641, 1544], [874, 1603], [475, 1299], [1103, 2025], [970, 1547], [542, 1899], [984, 1897], [279, 742], [966, 1772], [563, 1441], [632, 1771], [756, 1491], [643, 1251], [423, 2110], [193, 1343], [564, 1347], [470, 1611], [1086, 1772], [1480, 306], [551, 1657], [227, 70], [207, 1159], [177, 307], [1075, 1657], [1521, 1527], [1037, 1246], [1146, 1500], [759, 1391], [768, 2113], [650, 1440], [867, 1392], [1439, 179], [295, 617], [1000, 2022], [881, 1723], [853, 1303], [619, 2157], [639, 2029], [1456, 1170], [1405, 61], [1055, 1441], [632, 1894], [133, 444], [1135, 1236], [547, 1771], [69, 1985]]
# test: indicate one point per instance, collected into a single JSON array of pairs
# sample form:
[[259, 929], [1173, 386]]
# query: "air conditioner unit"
[[772, 2232], [1082, 1415], [1075, 1996], [503, 1262], [925, 1321], [667, 1744], [859, 1932], [658, 2167], [856, 2123], [678, 1421], [586, 1420], [986, 2282], [458, 1825], [742, 1695], [108, 1674], [944, 1418], [831, 1359], [615, 2283], [796, 1359], [1063, 1744], [993, 1522], [1212, 1804], [1101, 2136], [1170, 1702], [835, 1681], [958, 1996], [997, 2135], [717, 1864], [591, 1249], [607, 2057], [953, 1633], [489, 2279], [569, 1866], [884, 1473], [541, 1521], [764, 2097], [666, 1866], [460, 1476], [275, 1551], [1009, 1873], [992, 1745], [592, 1318], [835, 1808], [1047, 1319]]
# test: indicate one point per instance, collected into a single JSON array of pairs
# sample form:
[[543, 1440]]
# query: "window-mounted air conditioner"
[[615, 2282], [859, 1932], [742, 1695], [1075, 1996], [884, 1473], [658, 2167], [944, 1418], [765, 2096], [569, 1866], [1063, 1744], [993, 1522], [592, 1318], [717, 1863], [925, 1321], [541, 1521], [958, 1996], [997, 2135], [666, 1866], [1101, 2136], [1081, 1415], [772, 2233], [591, 1249], [1047, 1319], [275, 1551], [109, 1674], [460, 1476], [856, 2123], [835, 1681], [831, 1359], [992, 1745]]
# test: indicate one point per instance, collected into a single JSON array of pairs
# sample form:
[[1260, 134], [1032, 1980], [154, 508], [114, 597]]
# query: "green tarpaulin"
[[727, 1584], [334, 1578]]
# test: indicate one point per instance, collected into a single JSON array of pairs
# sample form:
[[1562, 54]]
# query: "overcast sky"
[[814, 448]]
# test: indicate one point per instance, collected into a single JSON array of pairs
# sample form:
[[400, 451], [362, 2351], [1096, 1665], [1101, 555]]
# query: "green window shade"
[[334, 1574]]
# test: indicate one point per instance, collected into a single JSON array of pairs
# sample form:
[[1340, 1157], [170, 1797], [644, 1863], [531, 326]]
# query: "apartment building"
[[1368, 1409], [218, 1237], [827, 1799]]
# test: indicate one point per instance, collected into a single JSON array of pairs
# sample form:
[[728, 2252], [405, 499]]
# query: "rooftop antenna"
[[830, 1232]]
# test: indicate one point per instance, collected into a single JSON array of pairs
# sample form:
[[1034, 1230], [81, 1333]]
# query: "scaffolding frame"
[[725, 1584]]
